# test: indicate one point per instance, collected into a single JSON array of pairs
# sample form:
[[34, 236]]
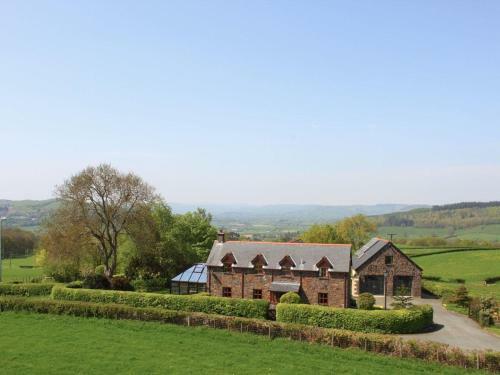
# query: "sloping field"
[[41, 344], [472, 266], [20, 269]]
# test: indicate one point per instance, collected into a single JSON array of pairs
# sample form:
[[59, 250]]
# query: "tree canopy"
[[354, 230]]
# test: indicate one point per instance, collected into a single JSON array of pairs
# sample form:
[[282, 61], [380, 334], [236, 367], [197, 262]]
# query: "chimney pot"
[[221, 237]]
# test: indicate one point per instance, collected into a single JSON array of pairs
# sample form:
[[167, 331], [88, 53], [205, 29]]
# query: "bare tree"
[[103, 201]]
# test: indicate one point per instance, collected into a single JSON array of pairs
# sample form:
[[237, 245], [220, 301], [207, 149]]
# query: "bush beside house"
[[196, 303], [412, 320]]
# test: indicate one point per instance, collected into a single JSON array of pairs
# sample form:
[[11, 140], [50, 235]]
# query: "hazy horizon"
[[255, 103]]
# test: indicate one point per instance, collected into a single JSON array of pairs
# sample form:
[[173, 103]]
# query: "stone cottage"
[[267, 270]]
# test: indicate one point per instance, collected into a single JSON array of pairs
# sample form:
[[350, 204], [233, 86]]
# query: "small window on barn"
[[257, 294], [323, 272], [258, 268], [227, 267], [226, 292], [323, 298], [388, 260]]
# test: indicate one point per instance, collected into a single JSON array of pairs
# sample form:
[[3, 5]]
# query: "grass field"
[[472, 266], [11, 270], [40, 344], [490, 232]]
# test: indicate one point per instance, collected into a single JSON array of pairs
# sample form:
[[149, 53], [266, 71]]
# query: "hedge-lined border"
[[26, 290], [411, 320], [239, 307], [371, 342]]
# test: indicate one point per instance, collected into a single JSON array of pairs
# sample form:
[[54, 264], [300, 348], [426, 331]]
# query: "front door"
[[275, 297], [372, 284]]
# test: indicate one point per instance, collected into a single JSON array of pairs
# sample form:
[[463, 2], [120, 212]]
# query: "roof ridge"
[[291, 243]]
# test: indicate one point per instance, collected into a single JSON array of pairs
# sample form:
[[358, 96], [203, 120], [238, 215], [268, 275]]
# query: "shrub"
[[290, 297], [366, 301], [402, 299], [75, 284], [461, 297], [149, 285], [26, 290], [96, 281], [384, 321], [121, 282], [99, 270], [210, 305]]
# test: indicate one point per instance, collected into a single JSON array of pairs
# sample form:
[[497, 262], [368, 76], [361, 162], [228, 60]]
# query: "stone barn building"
[[379, 266], [320, 273]]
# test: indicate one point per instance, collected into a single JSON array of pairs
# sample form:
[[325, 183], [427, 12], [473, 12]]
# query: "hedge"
[[26, 290], [384, 321], [372, 342], [211, 305]]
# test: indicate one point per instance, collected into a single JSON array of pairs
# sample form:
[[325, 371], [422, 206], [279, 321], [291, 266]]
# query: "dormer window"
[[287, 263], [258, 263], [228, 261], [323, 272], [323, 266]]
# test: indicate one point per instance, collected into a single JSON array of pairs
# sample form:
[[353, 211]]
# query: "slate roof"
[[195, 274], [371, 248], [304, 255]]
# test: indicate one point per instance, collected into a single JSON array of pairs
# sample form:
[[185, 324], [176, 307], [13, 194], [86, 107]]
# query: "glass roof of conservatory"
[[195, 274]]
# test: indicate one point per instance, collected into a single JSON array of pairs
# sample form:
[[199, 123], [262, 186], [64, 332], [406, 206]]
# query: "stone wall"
[[401, 266], [243, 281]]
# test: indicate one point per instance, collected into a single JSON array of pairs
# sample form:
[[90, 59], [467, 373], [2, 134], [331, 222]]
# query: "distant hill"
[[30, 213], [466, 220], [27, 213]]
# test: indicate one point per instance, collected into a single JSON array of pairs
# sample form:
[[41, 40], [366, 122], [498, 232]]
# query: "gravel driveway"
[[455, 329]]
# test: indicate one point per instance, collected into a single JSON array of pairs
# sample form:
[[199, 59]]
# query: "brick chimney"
[[221, 237]]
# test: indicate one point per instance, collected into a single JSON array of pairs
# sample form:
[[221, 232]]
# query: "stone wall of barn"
[[243, 282], [401, 266]]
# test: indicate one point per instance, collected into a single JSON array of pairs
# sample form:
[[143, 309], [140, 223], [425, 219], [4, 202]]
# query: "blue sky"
[[255, 102]]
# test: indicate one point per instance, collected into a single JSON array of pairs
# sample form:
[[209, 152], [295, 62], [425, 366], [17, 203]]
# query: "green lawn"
[[11, 270], [41, 344], [472, 266]]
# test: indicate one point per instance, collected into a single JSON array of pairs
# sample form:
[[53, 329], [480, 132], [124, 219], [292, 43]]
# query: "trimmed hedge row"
[[378, 343], [211, 305], [412, 320], [26, 290]]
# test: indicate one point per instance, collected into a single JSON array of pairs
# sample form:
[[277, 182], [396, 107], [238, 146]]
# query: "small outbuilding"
[[191, 281], [381, 268]]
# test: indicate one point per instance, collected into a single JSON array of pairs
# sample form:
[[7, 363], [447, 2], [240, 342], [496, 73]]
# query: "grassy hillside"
[[471, 221], [26, 214], [473, 266], [68, 345]]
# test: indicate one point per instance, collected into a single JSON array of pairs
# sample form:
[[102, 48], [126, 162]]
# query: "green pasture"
[[12, 270], [490, 232], [472, 266], [43, 344]]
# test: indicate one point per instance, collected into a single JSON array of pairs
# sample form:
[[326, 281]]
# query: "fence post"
[[189, 321], [269, 328]]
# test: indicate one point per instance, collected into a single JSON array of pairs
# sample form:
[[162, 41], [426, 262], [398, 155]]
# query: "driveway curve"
[[455, 329]]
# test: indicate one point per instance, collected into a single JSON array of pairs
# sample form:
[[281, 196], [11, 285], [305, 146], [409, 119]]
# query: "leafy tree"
[[97, 207], [17, 242], [320, 233], [171, 244], [355, 230]]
